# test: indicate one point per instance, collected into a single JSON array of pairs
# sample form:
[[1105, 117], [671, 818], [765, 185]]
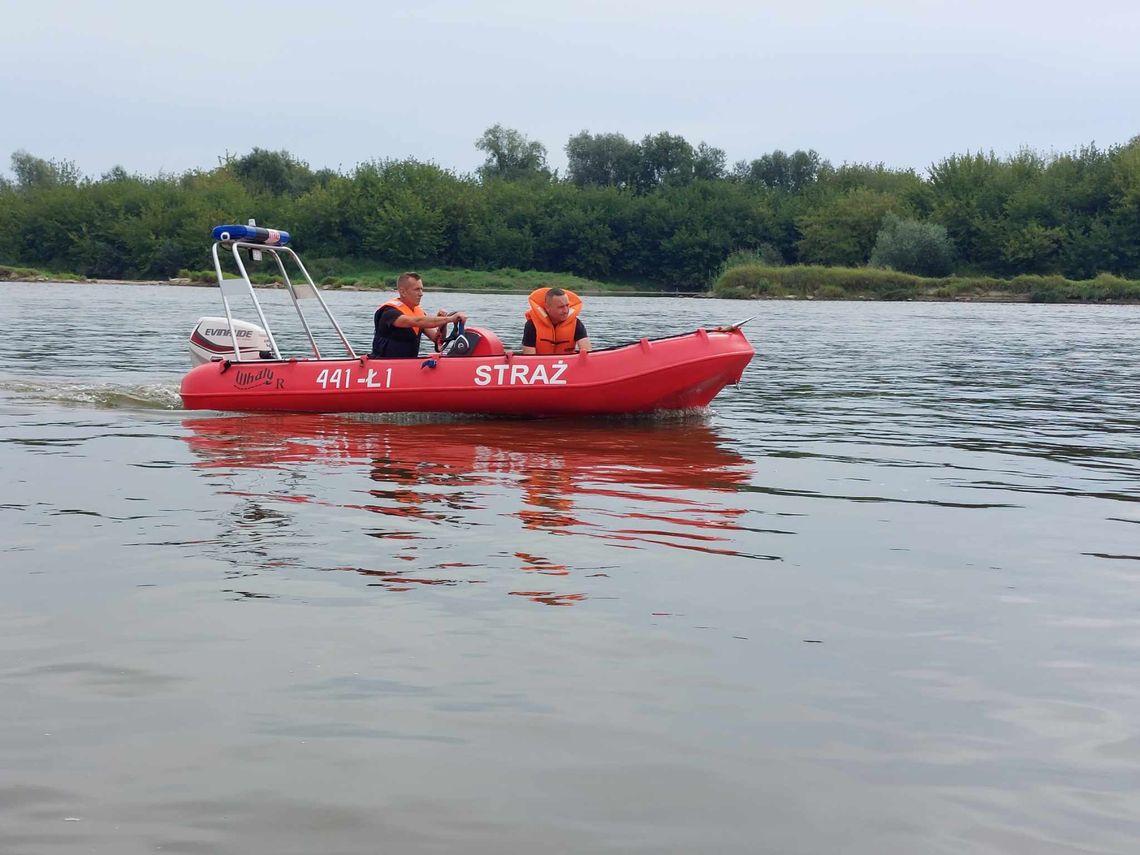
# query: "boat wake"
[[105, 396]]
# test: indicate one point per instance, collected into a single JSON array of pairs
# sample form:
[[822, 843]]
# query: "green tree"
[[1124, 217], [510, 155], [321, 219], [1033, 248], [403, 230], [578, 239], [913, 247], [115, 175], [391, 214], [781, 171], [275, 172], [709, 162], [602, 160], [665, 159], [843, 231], [498, 226], [905, 184], [36, 173], [970, 192], [655, 211]]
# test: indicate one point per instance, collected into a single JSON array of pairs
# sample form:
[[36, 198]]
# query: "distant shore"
[[788, 283], [467, 281], [185, 283], [994, 297], [751, 280], [976, 298]]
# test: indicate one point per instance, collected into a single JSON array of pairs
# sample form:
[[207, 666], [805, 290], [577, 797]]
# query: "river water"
[[882, 597]]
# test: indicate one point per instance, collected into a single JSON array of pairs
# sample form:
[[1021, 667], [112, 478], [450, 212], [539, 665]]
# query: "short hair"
[[554, 292], [405, 278]]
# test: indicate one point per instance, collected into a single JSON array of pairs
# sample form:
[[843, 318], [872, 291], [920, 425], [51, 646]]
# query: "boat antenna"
[[737, 325]]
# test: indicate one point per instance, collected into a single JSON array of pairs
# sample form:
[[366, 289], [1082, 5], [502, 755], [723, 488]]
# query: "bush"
[[765, 254], [913, 247], [1056, 289], [732, 292], [208, 276], [1108, 287], [27, 274], [1046, 291], [741, 282], [838, 283]]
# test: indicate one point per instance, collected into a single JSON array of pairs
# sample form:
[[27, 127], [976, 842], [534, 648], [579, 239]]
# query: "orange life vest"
[[417, 312], [550, 338]]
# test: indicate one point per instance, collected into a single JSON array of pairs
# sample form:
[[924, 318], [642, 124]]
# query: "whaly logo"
[[246, 379]]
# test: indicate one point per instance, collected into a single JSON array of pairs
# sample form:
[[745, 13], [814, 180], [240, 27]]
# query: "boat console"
[[471, 341]]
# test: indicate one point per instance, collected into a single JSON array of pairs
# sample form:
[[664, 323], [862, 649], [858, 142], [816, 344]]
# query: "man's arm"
[[582, 344], [427, 323], [581, 338], [530, 338]]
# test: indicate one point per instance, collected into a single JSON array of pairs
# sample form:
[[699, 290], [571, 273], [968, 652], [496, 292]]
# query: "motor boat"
[[239, 367]]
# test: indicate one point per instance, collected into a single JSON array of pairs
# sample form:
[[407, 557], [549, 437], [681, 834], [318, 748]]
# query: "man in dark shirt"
[[400, 322], [557, 305]]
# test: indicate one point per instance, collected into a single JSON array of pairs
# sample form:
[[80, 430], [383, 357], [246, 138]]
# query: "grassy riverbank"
[[30, 274], [744, 281], [747, 281], [334, 273]]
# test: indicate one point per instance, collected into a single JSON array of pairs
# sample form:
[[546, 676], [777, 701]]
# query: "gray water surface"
[[884, 597]]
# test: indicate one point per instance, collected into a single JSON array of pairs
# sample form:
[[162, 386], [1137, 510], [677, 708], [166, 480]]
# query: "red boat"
[[241, 368]]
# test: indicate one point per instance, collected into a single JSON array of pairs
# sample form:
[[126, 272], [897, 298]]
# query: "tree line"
[[656, 211]]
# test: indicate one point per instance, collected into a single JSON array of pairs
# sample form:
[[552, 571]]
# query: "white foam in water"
[[148, 396]]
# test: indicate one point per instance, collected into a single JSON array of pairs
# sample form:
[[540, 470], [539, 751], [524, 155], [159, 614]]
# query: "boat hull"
[[664, 374]]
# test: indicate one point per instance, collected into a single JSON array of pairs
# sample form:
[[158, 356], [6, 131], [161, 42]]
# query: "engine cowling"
[[212, 341]]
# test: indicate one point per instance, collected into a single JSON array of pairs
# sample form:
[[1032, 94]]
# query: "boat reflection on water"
[[637, 485]]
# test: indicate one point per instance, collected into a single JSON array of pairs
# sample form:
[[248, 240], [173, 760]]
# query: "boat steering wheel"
[[456, 332]]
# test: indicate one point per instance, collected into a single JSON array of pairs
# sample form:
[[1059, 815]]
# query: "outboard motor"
[[211, 341]]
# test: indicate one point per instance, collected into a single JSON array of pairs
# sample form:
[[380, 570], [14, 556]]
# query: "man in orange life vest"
[[401, 321], [552, 323]]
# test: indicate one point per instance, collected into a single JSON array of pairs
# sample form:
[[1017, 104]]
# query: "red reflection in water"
[[400, 580], [538, 564], [635, 455], [549, 598], [563, 470]]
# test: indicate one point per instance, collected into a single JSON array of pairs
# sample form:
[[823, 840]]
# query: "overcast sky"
[[174, 86]]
